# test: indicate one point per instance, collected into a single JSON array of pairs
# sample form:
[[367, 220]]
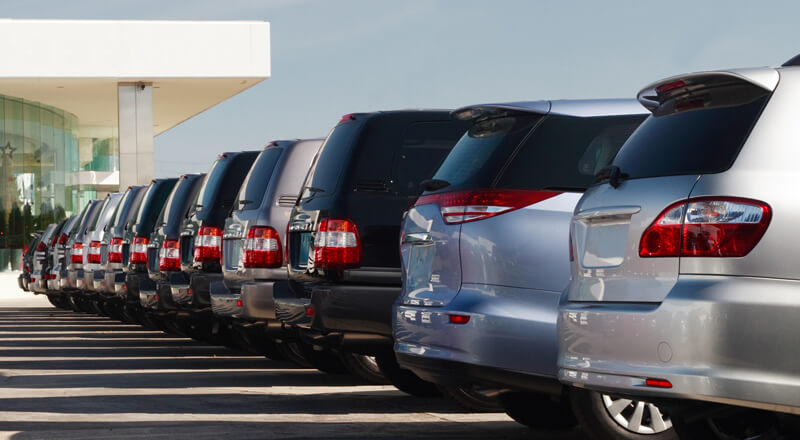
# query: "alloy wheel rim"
[[636, 416]]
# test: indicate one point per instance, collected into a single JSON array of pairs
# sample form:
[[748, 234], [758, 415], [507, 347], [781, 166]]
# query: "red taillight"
[[469, 206], [459, 319], [706, 227], [208, 243], [139, 250], [77, 253], [41, 247], [63, 239], [115, 250], [49, 276], [93, 255], [262, 248], [658, 383], [337, 245], [169, 256]]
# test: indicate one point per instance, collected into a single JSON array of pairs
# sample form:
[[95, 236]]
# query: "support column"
[[135, 104]]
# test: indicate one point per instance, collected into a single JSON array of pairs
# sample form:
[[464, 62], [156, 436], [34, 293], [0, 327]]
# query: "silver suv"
[[485, 260], [685, 281]]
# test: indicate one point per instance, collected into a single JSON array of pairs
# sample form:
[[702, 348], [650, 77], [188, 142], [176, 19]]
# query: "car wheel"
[[404, 380], [538, 411], [739, 423], [364, 367], [607, 417], [473, 397]]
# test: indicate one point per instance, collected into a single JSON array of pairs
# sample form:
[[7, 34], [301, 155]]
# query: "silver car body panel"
[[719, 329], [98, 234]]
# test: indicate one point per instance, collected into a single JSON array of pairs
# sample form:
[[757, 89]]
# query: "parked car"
[[41, 257], [684, 284], [201, 241], [93, 273], [136, 276], [254, 237], [344, 266], [163, 252], [77, 247], [24, 279], [63, 249], [117, 242], [56, 255], [484, 262]]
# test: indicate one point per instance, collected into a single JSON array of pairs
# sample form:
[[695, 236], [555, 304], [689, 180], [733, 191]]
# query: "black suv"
[[201, 238], [136, 276], [344, 232], [163, 252]]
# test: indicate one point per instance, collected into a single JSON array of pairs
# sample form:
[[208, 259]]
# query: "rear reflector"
[[262, 248], [139, 250], [207, 245], [77, 253], [239, 303], [169, 256], [459, 319], [706, 227], [93, 254], [310, 311], [337, 244], [469, 206], [658, 383], [115, 250]]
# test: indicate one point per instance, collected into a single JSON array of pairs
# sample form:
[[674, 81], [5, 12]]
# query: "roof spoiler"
[[479, 111], [654, 94], [793, 61]]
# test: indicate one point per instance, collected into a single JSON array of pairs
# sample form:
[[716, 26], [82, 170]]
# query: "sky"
[[330, 58]]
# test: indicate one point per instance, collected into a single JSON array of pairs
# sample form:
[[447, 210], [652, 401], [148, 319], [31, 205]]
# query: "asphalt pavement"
[[67, 375]]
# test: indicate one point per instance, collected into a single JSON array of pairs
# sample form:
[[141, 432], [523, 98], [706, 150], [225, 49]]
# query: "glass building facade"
[[44, 164]]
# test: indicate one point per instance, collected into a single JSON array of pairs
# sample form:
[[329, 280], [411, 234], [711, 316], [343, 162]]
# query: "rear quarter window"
[[423, 147], [255, 184]]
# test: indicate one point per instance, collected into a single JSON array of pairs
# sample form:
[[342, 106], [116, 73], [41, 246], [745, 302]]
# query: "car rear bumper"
[[115, 282], [510, 329], [39, 285], [714, 338], [22, 282], [135, 283], [292, 311], [254, 302], [353, 308], [75, 279], [54, 283], [93, 280]]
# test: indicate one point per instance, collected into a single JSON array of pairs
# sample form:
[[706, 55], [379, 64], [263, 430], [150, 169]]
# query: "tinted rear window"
[[331, 160], [692, 141], [565, 153], [529, 151], [481, 152], [257, 179], [152, 204], [424, 146], [207, 193]]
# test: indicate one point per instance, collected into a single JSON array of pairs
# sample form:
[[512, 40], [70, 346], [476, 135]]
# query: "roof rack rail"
[[794, 61]]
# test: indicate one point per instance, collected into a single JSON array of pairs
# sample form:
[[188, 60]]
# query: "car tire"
[[537, 410], [364, 367], [472, 397], [56, 301], [738, 423], [405, 380], [592, 412]]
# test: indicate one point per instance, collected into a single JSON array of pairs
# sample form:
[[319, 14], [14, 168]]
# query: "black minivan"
[[344, 232]]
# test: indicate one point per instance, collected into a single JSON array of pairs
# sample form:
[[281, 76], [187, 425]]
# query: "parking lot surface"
[[76, 376]]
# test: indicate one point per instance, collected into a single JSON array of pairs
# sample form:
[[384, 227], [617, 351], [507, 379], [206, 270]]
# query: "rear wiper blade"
[[433, 184], [611, 175], [314, 190]]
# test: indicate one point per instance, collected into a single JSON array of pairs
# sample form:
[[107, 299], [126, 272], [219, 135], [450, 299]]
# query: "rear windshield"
[[93, 224], [255, 184], [528, 151], [174, 210], [152, 204], [681, 138], [334, 154]]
